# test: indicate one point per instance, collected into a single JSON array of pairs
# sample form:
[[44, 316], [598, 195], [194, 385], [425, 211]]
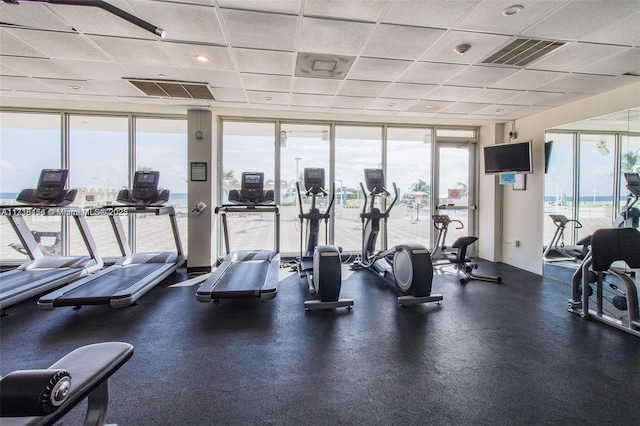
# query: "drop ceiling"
[[400, 54]]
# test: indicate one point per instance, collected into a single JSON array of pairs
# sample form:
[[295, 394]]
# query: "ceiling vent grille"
[[321, 65], [522, 52], [173, 89]]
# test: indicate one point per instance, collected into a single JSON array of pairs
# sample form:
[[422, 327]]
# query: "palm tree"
[[630, 161]]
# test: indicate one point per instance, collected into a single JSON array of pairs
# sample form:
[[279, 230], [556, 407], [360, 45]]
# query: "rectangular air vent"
[[173, 89], [522, 52], [322, 65]]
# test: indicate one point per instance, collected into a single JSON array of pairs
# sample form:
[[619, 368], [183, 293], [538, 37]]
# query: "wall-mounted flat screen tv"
[[508, 157]]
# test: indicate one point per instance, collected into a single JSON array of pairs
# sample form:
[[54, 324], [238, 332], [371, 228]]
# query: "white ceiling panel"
[[276, 6], [427, 13], [12, 46], [92, 70], [147, 52], [60, 45], [264, 61], [431, 73], [378, 69], [184, 56], [93, 20], [451, 93], [574, 56], [260, 30], [415, 41], [356, 10], [482, 45], [401, 51], [580, 18], [32, 15], [487, 15], [336, 37], [183, 22], [407, 90], [316, 85], [275, 83], [73, 86], [625, 31], [527, 80], [362, 88], [480, 76], [39, 68]]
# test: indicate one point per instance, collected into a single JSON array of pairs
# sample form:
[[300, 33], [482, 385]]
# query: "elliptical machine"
[[629, 217], [320, 264], [406, 266]]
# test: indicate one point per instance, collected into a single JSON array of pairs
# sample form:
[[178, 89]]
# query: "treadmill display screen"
[[56, 177], [146, 178], [252, 179]]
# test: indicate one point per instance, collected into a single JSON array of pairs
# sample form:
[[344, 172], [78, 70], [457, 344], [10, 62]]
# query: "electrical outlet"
[[516, 243]]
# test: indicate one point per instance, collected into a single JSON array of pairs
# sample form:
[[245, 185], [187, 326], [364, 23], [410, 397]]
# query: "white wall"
[[522, 211]]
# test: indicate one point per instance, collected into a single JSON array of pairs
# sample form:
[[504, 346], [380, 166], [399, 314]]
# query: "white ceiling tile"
[[229, 95], [264, 61], [5, 70], [588, 83], [276, 6], [12, 46], [378, 69], [93, 20], [38, 67], [311, 100], [228, 79], [146, 100], [184, 56], [362, 88], [390, 104], [32, 15], [464, 108], [316, 85], [530, 110], [428, 106], [228, 104], [482, 45], [406, 90], [73, 86], [94, 98], [625, 31], [499, 110], [24, 84], [532, 98], [492, 96], [59, 45], [335, 37], [92, 70], [118, 88], [186, 102], [350, 102], [415, 41], [357, 10], [146, 52], [427, 13], [451, 93], [431, 73], [579, 18], [183, 22], [487, 15], [527, 80], [155, 72], [260, 30], [274, 98], [275, 83], [574, 56], [626, 62], [480, 76], [565, 99]]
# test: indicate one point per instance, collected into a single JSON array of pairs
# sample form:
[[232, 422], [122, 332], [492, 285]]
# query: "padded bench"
[[41, 397]]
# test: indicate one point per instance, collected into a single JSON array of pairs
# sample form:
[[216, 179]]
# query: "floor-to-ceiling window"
[[28, 144], [161, 145], [248, 147], [98, 169], [558, 185]]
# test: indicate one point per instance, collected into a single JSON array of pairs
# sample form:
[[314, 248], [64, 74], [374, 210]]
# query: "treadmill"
[[133, 275], [41, 273], [245, 273]]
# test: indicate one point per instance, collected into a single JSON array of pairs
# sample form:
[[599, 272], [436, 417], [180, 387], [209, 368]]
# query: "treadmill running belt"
[[244, 279], [12, 281]]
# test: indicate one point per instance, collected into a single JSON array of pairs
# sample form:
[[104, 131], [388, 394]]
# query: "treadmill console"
[[51, 184], [374, 180], [252, 186], [145, 186], [314, 180], [633, 183]]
